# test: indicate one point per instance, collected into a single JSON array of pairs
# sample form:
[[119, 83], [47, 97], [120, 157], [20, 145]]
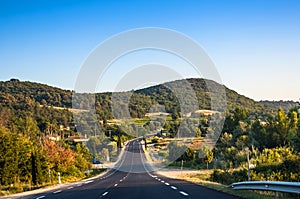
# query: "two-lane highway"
[[131, 178]]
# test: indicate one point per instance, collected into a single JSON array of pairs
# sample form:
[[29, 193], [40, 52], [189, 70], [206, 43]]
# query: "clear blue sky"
[[255, 44]]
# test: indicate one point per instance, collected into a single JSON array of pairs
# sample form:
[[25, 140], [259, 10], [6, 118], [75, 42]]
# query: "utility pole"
[[248, 160], [181, 165], [50, 179]]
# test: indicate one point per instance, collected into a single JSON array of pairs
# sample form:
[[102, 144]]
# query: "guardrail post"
[[275, 194], [59, 180]]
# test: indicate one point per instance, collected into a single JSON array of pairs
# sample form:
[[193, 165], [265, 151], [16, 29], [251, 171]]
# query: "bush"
[[225, 177], [286, 171]]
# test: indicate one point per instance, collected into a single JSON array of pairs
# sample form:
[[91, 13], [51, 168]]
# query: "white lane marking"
[[58, 191], [116, 185], [121, 180], [79, 185], [167, 184], [88, 181], [40, 197], [70, 187], [104, 193], [183, 193], [163, 181], [173, 187]]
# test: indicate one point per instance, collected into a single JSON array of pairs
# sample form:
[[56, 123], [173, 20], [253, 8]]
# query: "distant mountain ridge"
[[16, 91], [286, 105]]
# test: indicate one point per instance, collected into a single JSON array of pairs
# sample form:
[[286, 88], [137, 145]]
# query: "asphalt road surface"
[[131, 178]]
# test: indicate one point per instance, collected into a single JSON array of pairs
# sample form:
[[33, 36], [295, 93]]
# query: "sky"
[[254, 44]]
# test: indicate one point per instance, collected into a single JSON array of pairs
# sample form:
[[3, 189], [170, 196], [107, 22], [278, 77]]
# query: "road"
[[131, 178]]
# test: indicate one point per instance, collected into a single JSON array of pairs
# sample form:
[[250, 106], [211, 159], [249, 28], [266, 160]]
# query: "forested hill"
[[16, 91]]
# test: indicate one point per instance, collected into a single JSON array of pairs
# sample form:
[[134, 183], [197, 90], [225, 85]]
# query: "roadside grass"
[[202, 177]]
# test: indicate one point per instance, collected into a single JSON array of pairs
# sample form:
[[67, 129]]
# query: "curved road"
[[131, 178]]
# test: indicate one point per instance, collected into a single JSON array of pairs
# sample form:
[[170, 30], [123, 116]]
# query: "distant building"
[[156, 114], [54, 138], [77, 139]]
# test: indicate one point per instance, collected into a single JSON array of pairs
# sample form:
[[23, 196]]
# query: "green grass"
[[141, 121], [247, 194], [202, 178]]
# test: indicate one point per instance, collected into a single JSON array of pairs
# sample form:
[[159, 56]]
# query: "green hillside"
[[15, 93]]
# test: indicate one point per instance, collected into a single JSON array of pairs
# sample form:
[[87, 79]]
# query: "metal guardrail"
[[276, 186]]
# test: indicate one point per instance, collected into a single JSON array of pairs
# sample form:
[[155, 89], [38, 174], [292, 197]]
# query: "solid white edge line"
[[86, 182], [40, 197], [70, 188], [58, 191]]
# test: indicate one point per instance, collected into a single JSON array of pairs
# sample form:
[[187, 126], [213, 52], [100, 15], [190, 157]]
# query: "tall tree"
[[282, 127]]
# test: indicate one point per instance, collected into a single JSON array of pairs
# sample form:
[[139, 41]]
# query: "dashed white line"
[[173, 187], [70, 187], [116, 185], [183, 193], [163, 181], [40, 197], [58, 191], [104, 193], [167, 184]]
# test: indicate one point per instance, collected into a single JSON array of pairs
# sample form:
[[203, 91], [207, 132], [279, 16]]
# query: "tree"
[[242, 141], [282, 127], [33, 168], [145, 141], [293, 128], [240, 114], [8, 162], [226, 139], [259, 135], [207, 155]]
